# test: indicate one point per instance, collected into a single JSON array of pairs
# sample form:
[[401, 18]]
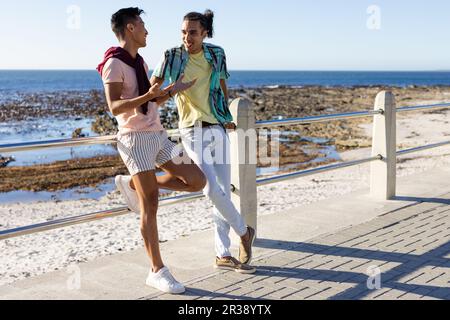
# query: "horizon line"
[[262, 70]]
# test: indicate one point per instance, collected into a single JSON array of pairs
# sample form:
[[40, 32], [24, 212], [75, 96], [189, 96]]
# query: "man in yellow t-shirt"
[[203, 118]]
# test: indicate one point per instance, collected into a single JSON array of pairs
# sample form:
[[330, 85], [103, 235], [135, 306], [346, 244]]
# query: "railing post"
[[383, 172], [243, 160]]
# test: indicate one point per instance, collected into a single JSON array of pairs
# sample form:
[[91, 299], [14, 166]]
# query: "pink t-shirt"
[[133, 120]]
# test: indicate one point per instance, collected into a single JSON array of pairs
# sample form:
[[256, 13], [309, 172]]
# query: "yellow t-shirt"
[[193, 104]]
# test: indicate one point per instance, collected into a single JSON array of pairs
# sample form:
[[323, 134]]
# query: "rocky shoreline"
[[269, 103]]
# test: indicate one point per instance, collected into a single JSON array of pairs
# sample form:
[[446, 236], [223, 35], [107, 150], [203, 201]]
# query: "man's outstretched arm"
[[117, 106], [171, 89]]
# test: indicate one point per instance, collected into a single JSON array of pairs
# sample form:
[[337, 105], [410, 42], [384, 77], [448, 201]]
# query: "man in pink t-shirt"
[[142, 141]]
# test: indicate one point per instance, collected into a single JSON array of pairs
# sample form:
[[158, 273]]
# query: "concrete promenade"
[[332, 249]]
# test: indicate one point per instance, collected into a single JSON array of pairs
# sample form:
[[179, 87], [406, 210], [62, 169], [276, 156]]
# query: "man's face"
[[138, 32], [193, 35]]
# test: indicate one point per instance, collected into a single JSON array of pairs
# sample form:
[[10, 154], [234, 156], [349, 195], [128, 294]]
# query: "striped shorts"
[[142, 151]]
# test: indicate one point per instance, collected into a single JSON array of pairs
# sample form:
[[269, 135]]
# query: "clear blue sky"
[[257, 35]]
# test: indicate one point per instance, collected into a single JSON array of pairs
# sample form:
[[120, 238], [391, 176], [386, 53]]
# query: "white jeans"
[[209, 148]]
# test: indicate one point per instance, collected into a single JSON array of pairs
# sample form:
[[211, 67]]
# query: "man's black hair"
[[206, 20], [121, 18]]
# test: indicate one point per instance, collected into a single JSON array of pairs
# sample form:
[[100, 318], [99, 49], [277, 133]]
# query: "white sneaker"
[[130, 195], [164, 281]]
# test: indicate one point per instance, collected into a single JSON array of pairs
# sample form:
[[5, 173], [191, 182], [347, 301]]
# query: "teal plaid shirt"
[[172, 66]]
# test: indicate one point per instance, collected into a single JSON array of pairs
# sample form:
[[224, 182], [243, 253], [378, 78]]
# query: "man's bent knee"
[[197, 183], [212, 191]]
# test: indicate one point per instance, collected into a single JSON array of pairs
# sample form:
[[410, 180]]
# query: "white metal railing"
[[244, 180]]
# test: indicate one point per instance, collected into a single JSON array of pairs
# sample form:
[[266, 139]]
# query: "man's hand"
[[180, 86], [230, 126], [155, 91], [171, 90]]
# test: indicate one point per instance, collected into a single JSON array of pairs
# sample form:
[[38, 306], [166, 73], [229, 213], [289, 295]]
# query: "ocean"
[[85, 80]]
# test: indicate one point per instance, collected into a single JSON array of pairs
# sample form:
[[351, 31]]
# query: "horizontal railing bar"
[[60, 223], [60, 143], [430, 107], [322, 118], [308, 120], [70, 221], [180, 199], [417, 149], [36, 145], [303, 173], [308, 172]]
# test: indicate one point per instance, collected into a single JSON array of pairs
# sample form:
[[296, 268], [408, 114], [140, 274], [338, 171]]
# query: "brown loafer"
[[234, 265], [245, 248]]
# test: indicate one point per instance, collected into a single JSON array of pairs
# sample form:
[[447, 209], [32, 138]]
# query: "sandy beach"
[[44, 252]]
